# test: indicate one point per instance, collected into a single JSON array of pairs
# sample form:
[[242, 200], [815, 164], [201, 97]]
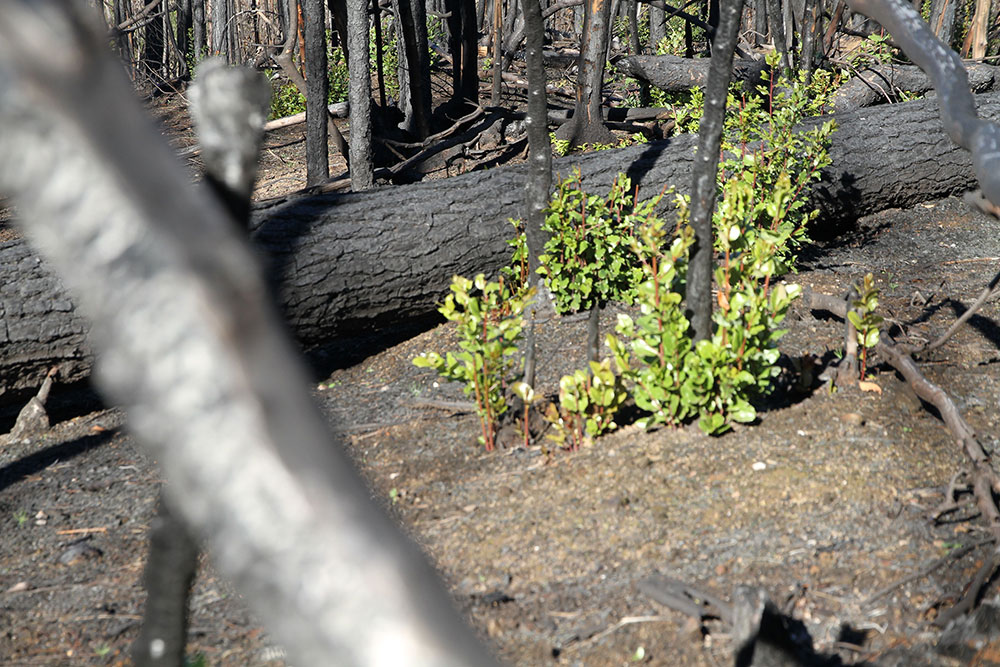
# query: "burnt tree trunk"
[[462, 41], [341, 29], [539, 183], [877, 84], [657, 27], [197, 29], [346, 264], [221, 44], [360, 93], [317, 87], [414, 63], [183, 25], [704, 186], [153, 57], [776, 24], [588, 126]]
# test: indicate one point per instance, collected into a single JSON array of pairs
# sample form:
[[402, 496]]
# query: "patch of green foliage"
[[390, 56], [673, 40], [437, 33], [873, 50], [619, 29], [561, 147], [616, 248], [783, 100], [197, 660], [588, 258], [489, 318], [758, 224], [588, 402], [286, 100]]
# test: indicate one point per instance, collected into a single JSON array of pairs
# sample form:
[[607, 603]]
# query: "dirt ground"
[[824, 502]]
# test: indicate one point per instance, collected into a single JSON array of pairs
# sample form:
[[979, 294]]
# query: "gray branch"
[[188, 343]]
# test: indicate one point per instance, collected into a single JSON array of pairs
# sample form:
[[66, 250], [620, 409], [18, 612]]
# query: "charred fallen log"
[[674, 73], [344, 265], [877, 84]]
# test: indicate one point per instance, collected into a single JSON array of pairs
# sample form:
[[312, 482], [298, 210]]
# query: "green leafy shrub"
[[875, 49], [517, 272], [286, 100], [782, 95], [673, 41], [758, 224], [587, 405], [338, 76], [489, 318], [390, 56], [716, 378], [620, 30], [562, 148], [588, 258], [611, 248]]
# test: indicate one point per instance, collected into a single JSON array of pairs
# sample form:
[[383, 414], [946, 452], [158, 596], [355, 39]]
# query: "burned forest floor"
[[825, 502]]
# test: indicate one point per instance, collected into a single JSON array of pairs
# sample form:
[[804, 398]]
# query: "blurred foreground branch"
[[188, 342]]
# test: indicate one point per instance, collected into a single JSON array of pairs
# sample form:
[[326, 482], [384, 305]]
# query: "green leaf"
[[871, 338], [742, 412]]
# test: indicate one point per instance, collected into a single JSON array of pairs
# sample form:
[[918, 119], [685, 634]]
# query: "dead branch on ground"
[[985, 481]]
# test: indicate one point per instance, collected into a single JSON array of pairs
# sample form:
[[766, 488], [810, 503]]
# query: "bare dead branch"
[[952, 556]]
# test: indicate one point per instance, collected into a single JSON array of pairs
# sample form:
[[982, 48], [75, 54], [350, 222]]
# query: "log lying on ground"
[[880, 83], [674, 73], [346, 264]]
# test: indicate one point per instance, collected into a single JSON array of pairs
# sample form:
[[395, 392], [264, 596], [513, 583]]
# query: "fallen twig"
[[685, 598], [458, 407], [432, 145], [626, 620], [968, 601], [953, 555]]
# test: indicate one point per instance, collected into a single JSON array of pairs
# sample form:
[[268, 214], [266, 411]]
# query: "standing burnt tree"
[[317, 85], [414, 68], [462, 40], [539, 177], [360, 95], [706, 166], [587, 126]]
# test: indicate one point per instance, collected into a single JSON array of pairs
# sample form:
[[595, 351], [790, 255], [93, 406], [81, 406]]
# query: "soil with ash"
[[825, 502]]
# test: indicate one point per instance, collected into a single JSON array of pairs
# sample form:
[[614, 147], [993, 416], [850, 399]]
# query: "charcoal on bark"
[[344, 265]]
